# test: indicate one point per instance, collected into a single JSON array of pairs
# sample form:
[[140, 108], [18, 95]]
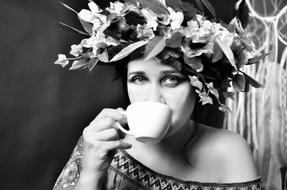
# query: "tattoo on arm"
[[72, 170]]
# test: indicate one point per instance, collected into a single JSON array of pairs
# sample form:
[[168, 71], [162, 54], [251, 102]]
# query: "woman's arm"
[[72, 177], [89, 163], [72, 170]]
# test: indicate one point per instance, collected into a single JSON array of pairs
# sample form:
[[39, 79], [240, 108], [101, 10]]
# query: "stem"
[[75, 58]]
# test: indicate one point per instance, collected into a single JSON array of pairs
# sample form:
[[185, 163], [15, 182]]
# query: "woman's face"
[[154, 81]]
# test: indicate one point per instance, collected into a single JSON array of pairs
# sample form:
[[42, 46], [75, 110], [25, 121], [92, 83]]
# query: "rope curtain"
[[261, 114]]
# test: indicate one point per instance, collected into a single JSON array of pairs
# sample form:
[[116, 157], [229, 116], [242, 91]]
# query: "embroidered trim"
[[127, 166]]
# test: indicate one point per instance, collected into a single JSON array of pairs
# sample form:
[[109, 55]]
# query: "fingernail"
[[128, 145]]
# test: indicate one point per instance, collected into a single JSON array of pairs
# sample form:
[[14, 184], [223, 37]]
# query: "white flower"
[[93, 16], [176, 18], [213, 90], [94, 7], [76, 50], [98, 41], [109, 41], [86, 15], [204, 98], [199, 18], [189, 52], [144, 32], [226, 37], [163, 19], [151, 18], [115, 7], [62, 60], [195, 82], [96, 19]]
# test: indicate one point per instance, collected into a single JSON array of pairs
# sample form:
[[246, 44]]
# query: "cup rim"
[[152, 102]]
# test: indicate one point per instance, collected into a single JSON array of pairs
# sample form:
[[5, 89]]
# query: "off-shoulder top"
[[127, 173]]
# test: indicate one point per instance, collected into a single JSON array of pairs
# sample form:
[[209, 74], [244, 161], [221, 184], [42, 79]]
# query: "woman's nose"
[[155, 94]]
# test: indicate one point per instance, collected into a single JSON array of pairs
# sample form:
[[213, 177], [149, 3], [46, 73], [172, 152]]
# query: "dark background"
[[43, 107]]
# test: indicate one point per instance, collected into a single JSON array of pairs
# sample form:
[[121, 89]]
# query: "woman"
[[191, 155]]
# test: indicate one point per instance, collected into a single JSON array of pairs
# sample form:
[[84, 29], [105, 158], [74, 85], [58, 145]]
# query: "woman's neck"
[[169, 146]]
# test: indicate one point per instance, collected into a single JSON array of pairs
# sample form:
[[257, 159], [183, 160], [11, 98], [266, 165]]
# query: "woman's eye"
[[171, 81], [137, 79]]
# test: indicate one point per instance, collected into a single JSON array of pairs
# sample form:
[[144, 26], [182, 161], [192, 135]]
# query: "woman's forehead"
[[149, 65]]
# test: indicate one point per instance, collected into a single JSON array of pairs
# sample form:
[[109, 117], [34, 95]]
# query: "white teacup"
[[148, 121]]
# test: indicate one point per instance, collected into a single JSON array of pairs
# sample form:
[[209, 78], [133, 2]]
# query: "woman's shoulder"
[[222, 140], [224, 152]]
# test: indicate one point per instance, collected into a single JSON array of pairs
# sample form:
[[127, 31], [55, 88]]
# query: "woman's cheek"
[[136, 94]]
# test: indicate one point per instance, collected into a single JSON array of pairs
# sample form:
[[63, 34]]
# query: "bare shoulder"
[[223, 152]]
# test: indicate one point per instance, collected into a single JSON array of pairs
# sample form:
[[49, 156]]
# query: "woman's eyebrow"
[[166, 72], [136, 73]]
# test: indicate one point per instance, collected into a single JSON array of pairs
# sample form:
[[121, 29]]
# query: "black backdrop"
[[43, 108]]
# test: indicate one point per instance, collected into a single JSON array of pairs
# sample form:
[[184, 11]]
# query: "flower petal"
[[86, 15], [62, 60]]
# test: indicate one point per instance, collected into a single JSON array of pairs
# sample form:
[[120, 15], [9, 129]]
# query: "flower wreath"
[[178, 32]]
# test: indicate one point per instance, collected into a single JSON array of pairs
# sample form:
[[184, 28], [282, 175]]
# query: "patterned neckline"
[[143, 175]]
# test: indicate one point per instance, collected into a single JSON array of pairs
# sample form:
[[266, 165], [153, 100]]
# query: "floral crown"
[[178, 32]]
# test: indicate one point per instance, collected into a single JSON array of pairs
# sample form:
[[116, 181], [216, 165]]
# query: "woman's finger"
[[115, 114], [107, 135], [102, 124], [118, 144]]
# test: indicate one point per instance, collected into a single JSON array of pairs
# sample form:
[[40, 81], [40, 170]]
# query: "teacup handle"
[[121, 127]]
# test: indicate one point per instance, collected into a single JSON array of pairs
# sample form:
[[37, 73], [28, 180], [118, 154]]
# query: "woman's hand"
[[101, 139]]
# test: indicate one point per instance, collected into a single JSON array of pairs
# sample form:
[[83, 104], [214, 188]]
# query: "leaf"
[[209, 7], [229, 95], [239, 82], [154, 47], [88, 27], [243, 13], [253, 82], [174, 63], [92, 63], [195, 82], [127, 50], [213, 90], [246, 43], [70, 28], [104, 57], [177, 5], [153, 5], [204, 98], [199, 5], [82, 63], [175, 40], [68, 7], [189, 70], [241, 60], [134, 18], [194, 62], [189, 11], [228, 53], [256, 59], [225, 84], [247, 86], [224, 108], [217, 53]]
